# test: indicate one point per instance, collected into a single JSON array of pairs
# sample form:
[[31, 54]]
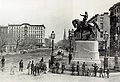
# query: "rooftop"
[[42, 25]]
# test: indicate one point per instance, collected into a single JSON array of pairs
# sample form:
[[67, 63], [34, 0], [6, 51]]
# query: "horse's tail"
[[96, 26]]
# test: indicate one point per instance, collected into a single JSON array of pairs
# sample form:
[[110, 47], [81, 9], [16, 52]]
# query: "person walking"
[[21, 65], [28, 67], [32, 67]]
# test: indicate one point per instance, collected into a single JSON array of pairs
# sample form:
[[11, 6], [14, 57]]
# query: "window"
[[101, 25], [101, 35], [101, 19]]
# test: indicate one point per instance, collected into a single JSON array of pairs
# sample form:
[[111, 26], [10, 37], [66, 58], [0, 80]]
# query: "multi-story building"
[[114, 26], [4, 29], [3, 38], [103, 21], [24, 31]]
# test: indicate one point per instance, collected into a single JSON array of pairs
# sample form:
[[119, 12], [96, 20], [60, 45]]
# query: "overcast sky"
[[54, 14]]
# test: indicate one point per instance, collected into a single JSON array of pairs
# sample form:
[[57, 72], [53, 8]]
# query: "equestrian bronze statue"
[[84, 26]]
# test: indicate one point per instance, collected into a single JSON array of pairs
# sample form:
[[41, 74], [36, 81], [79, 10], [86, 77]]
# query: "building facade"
[[114, 27], [3, 38], [103, 21], [19, 32]]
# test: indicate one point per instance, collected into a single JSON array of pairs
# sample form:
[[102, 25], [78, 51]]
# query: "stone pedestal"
[[87, 51]]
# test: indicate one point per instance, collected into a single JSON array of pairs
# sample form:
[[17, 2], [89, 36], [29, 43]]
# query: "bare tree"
[[17, 40], [3, 40], [28, 43]]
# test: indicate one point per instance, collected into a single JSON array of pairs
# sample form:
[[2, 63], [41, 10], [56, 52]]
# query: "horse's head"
[[75, 23]]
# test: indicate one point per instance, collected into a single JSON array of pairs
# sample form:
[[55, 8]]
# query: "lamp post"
[[70, 40], [52, 55], [116, 52], [106, 35]]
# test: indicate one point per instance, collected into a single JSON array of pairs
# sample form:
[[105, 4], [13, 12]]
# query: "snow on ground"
[[49, 77]]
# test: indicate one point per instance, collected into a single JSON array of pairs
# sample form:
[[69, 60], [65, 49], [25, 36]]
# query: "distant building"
[[103, 21], [4, 29], [114, 26], [25, 31], [3, 37]]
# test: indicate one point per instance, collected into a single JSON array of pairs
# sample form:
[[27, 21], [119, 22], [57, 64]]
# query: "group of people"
[[89, 71], [36, 68], [60, 67], [77, 69], [56, 67], [33, 68]]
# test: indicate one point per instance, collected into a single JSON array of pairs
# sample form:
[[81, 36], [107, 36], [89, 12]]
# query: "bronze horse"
[[81, 27]]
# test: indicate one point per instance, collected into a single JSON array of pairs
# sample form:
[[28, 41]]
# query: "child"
[[12, 70]]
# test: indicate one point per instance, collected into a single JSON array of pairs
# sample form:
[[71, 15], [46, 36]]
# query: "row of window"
[[31, 28], [36, 36]]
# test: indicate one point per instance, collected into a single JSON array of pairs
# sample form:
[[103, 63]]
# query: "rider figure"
[[85, 17]]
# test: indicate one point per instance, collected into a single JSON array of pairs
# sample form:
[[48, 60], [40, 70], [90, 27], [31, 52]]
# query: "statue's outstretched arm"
[[82, 15]]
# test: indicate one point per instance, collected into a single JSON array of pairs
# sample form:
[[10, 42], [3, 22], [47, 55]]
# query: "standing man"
[[32, 67], [21, 65], [70, 58], [3, 61], [101, 72], [49, 63], [28, 67], [95, 69], [108, 73], [78, 68], [83, 68]]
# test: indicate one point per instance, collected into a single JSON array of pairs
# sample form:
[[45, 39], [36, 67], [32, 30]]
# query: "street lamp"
[[106, 35], [70, 40], [116, 53], [52, 55]]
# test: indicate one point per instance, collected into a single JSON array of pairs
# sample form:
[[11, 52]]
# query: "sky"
[[54, 14]]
